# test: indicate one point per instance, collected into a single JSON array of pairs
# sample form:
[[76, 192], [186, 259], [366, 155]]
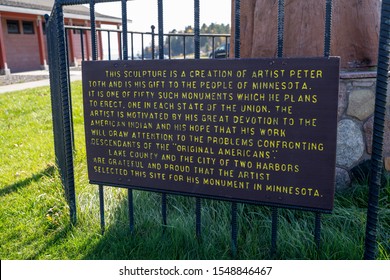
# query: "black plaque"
[[250, 130]]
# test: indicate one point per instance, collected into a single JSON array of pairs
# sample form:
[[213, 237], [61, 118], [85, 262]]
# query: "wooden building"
[[355, 30], [22, 34]]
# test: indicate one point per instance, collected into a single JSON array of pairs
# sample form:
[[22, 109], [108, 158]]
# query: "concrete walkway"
[[74, 76]]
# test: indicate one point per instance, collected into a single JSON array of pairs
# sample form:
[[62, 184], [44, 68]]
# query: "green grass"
[[35, 223]]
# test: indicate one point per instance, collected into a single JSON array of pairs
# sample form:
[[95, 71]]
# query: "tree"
[[177, 40]]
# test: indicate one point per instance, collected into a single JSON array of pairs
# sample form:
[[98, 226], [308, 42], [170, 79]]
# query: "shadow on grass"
[[177, 241], [151, 240], [24, 183]]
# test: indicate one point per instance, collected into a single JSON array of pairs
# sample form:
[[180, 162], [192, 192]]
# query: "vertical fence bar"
[[82, 44], [198, 217], [93, 29], [164, 208], [153, 43], [197, 28], [67, 31], [184, 47], [327, 41], [274, 230], [101, 203], [142, 46], [131, 209], [132, 45], [237, 54], [280, 44], [237, 33], [69, 88], [328, 27], [120, 45], [124, 30], [378, 132], [109, 45], [160, 29], [213, 46], [126, 57], [94, 57], [161, 56], [280, 27], [67, 166], [198, 204], [317, 230], [100, 44]]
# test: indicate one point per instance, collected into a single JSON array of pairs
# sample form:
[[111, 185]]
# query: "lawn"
[[35, 223]]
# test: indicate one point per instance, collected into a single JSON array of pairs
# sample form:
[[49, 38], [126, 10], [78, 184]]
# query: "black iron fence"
[[61, 96]]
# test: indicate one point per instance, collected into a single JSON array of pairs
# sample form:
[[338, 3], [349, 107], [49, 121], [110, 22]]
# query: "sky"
[[177, 13]]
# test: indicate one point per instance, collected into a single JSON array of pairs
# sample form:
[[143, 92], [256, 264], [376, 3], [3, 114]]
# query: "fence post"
[[237, 54], [280, 27], [61, 104], [93, 29], [280, 45], [160, 29], [124, 30], [198, 202], [234, 230], [328, 27], [378, 131]]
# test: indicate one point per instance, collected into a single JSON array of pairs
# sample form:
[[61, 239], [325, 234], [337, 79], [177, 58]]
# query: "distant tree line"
[[178, 43]]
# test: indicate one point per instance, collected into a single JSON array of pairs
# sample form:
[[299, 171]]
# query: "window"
[[28, 27], [13, 27], [44, 28]]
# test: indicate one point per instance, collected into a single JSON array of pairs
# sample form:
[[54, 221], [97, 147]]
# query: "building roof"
[[41, 7]]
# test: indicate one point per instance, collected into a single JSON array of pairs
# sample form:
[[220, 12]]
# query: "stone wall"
[[355, 125], [355, 32]]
